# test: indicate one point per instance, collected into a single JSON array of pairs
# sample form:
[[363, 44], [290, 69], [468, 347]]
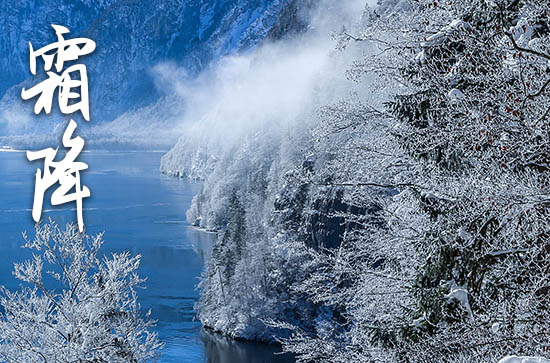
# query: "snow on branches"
[[74, 305]]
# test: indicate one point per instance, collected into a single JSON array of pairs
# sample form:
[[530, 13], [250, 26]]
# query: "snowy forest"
[[378, 178], [388, 200]]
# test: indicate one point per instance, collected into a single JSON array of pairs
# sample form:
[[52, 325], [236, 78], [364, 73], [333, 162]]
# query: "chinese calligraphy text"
[[72, 89]]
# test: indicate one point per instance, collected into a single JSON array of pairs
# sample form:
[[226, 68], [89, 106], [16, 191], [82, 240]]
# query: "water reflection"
[[220, 349]]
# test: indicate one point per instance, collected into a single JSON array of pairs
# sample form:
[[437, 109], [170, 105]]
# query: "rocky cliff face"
[[293, 19], [29, 21], [132, 36]]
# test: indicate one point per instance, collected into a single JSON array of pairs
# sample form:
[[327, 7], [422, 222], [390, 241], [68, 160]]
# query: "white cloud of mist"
[[14, 119], [276, 84], [270, 86]]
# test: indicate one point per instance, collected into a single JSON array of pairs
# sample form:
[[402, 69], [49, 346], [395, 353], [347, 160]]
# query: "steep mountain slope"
[[429, 190], [29, 21], [135, 35], [254, 150], [132, 36]]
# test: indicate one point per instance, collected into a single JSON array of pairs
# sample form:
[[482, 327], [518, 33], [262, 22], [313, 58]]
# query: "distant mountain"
[[132, 36], [29, 21]]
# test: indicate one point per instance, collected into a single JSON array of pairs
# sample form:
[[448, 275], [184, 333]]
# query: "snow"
[[460, 293], [434, 39], [517, 359], [438, 37], [522, 32], [421, 56], [507, 252], [464, 234], [456, 95]]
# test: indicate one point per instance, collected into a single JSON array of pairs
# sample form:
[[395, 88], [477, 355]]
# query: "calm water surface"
[[142, 211]]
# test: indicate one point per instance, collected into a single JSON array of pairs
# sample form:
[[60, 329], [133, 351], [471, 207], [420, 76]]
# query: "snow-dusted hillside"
[[402, 217], [132, 38], [250, 143], [29, 21]]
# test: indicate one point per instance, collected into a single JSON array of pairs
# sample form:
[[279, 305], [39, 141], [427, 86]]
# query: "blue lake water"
[[141, 211]]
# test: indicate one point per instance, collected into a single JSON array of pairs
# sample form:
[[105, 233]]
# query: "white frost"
[[516, 359], [456, 95], [461, 294], [522, 32], [462, 233], [439, 36]]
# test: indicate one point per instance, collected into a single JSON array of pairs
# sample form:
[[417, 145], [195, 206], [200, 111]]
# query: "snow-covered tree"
[[475, 119], [74, 305], [409, 221], [453, 266]]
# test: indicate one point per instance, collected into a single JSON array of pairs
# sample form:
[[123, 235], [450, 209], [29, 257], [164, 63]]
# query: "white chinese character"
[[61, 51], [65, 172]]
